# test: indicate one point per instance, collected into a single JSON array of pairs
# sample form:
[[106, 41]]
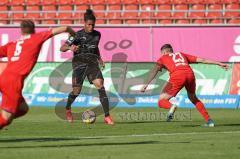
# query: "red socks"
[[200, 107], [3, 122], [164, 103]]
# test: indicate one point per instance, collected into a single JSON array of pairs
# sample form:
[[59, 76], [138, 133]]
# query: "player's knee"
[[6, 118], [164, 97], [193, 98], [76, 91], [99, 85]]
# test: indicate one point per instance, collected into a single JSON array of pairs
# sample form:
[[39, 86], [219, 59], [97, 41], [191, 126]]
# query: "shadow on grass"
[[93, 144]]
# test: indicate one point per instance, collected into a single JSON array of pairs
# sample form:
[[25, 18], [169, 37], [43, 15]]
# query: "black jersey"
[[87, 43]]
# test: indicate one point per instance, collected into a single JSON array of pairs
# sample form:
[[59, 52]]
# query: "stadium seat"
[[4, 2], [98, 1], [216, 21], [65, 2], [130, 11], [179, 1], [16, 22], [232, 13], [3, 22], [148, 21], [80, 11], [17, 2], [129, 1], [230, 1], [32, 2], [182, 21], [198, 11], [49, 2], [80, 2], [131, 21], [180, 7], [113, 2], [195, 1], [66, 22], [82, 8], [17, 15], [100, 21], [165, 21], [146, 11], [212, 1], [3, 15], [199, 21], [146, 1], [162, 1], [48, 22], [166, 11], [99, 7], [32, 12], [234, 21], [51, 14], [213, 11], [114, 11], [65, 12], [115, 21]]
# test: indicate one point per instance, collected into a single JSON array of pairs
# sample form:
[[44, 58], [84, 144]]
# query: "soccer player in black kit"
[[86, 63]]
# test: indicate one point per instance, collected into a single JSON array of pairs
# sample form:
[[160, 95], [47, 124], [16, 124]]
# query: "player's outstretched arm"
[[223, 65], [63, 29], [151, 76]]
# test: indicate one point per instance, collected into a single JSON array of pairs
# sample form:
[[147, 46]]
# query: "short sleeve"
[[190, 58], [45, 35], [159, 62], [3, 50]]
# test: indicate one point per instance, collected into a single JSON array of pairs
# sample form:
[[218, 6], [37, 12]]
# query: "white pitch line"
[[133, 135]]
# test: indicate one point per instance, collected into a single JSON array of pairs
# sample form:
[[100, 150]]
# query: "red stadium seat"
[[232, 13], [65, 12], [80, 11], [16, 22], [182, 21], [147, 10], [114, 11], [33, 12], [48, 22], [148, 21], [214, 10], [3, 15], [131, 21], [216, 21], [212, 1], [146, 1], [165, 21], [51, 14], [198, 11], [195, 1], [100, 21], [17, 15], [180, 7], [200, 21], [98, 1], [229, 1], [99, 14], [130, 11], [17, 2], [129, 1], [65, 2], [32, 2], [3, 22], [99, 7], [115, 21], [162, 1], [80, 2], [234, 21], [179, 1], [4, 2], [166, 11], [66, 22], [113, 2], [49, 2], [82, 8]]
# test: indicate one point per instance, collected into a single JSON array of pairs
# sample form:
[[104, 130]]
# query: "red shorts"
[[179, 80], [11, 86]]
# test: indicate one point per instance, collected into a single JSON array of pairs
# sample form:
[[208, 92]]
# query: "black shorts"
[[81, 70]]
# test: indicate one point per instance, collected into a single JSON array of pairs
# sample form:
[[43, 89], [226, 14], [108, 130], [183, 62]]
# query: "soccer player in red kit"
[[22, 56], [181, 75]]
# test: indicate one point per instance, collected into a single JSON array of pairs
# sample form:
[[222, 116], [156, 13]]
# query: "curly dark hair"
[[89, 15]]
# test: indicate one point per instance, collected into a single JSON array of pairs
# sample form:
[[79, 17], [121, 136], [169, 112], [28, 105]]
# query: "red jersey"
[[22, 54], [176, 61]]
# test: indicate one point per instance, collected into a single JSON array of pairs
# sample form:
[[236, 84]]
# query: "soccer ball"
[[88, 117]]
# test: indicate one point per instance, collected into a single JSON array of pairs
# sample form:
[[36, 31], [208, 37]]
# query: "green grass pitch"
[[41, 135]]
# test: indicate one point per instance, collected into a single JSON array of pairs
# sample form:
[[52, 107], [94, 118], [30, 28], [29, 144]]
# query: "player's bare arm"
[[151, 76], [223, 65], [63, 29]]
